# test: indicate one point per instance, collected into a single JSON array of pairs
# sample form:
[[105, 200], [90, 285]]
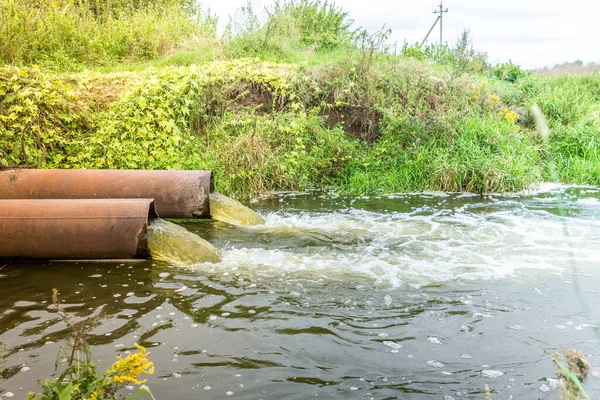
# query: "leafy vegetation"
[[80, 379], [459, 59], [293, 98], [70, 34], [508, 72], [289, 27]]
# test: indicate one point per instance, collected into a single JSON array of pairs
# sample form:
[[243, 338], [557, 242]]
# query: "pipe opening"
[[75, 228]]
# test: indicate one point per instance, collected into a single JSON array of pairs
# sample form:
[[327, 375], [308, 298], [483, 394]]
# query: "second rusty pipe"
[[177, 193]]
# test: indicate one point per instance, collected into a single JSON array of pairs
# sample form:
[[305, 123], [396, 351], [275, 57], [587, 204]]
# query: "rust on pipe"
[[75, 229], [177, 194]]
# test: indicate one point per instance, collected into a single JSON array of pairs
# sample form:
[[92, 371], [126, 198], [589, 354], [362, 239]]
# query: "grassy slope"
[[347, 118]]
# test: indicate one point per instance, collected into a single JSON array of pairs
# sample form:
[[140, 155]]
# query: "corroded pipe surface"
[[75, 229], [177, 194]]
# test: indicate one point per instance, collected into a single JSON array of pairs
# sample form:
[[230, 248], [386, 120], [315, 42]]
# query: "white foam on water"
[[544, 388], [417, 248], [592, 201], [435, 364], [492, 374], [549, 187], [393, 345]]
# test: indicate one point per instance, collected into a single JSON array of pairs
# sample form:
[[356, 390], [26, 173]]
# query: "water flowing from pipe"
[[226, 209], [174, 244]]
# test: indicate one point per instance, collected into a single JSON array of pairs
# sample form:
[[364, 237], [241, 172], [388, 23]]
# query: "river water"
[[404, 296]]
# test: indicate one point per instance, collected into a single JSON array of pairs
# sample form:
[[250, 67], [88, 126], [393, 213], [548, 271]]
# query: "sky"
[[531, 33]]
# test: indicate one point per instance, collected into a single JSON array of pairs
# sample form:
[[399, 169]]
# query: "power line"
[[392, 14]]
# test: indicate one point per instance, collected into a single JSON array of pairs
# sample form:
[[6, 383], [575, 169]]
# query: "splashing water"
[[225, 209], [172, 243], [423, 296], [411, 239]]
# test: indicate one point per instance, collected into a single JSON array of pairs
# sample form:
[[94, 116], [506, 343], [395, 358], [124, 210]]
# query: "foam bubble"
[[468, 241], [492, 374], [435, 364]]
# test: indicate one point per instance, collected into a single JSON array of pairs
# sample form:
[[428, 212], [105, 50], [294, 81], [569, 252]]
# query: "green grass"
[[70, 35], [279, 104]]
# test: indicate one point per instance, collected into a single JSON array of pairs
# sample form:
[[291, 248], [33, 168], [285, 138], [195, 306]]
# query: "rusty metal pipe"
[[177, 194], [75, 229]]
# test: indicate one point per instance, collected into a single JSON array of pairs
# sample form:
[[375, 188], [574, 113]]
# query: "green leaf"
[[67, 392], [142, 103], [141, 392], [9, 98]]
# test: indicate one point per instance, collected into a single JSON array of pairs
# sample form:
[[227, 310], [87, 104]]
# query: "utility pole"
[[439, 18], [441, 12]]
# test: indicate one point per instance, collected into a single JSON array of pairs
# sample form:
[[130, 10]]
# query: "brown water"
[[408, 296]]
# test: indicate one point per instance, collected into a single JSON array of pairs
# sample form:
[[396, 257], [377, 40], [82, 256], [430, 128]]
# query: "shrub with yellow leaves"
[[80, 380]]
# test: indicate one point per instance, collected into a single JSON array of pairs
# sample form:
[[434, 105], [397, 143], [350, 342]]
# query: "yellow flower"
[[129, 368], [96, 394], [509, 115]]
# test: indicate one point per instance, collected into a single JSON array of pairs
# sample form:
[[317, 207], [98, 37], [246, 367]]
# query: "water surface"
[[404, 296]]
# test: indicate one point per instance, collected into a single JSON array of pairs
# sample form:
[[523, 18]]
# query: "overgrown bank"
[[356, 118]]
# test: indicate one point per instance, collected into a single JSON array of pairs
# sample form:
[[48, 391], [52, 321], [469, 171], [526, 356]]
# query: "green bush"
[[460, 59], [320, 23], [475, 152], [487, 155], [291, 151], [67, 34], [413, 51], [508, 72], [42, 119], [191, 118], [575, 151], [289, 26]]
